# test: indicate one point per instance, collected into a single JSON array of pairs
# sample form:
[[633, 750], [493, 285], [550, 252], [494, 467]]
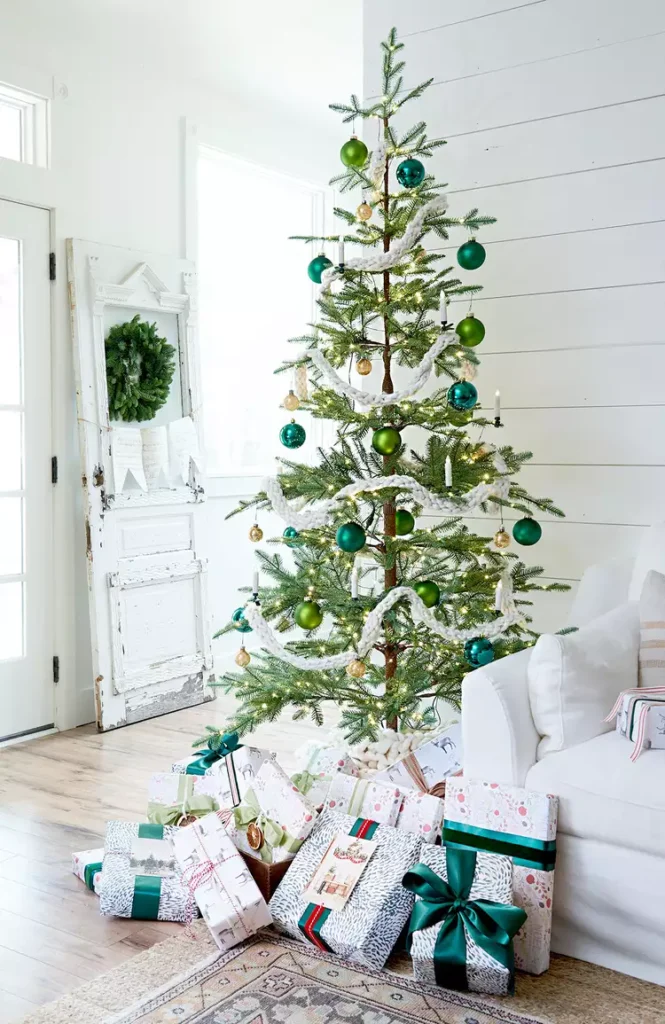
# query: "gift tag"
[[339, 871]]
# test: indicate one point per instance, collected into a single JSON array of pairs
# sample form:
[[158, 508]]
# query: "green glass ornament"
[[292, 435], [527, 531], [290, 535], [471, 255], [462, 395], [478, 651], [353, 153], [428, 592], [350, 537], [404, 522], [470, 331], [240, 622], [410, 173], [386, 440], [316, 267], [308, 615]]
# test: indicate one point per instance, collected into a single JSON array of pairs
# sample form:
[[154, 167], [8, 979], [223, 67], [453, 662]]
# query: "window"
[[24, 131], [254, 295]]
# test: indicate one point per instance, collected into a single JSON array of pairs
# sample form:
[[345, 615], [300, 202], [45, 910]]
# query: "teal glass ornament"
[[410, 173], [290, 535], [471, 255], [527, 531], [316, 267], [350, 537], [404, 522], [354, 152], [478, 651], [308, 615], [240, 622], [386, 440], [292, 435], [428, 592], [462, 395], [470, 331]]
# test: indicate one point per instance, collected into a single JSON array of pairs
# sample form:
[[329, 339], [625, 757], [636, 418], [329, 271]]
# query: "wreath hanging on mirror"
[[139, 370]]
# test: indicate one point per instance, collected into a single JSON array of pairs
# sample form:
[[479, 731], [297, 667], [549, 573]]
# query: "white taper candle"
[[498, 596], [449, 472], [497, 405], [443, 311], [354, 582], [340, 252], [255, 582]]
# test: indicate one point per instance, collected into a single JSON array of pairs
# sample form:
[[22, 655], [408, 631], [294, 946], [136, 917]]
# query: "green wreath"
[[139, 370]]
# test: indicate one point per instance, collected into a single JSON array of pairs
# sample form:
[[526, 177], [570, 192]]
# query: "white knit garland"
[[373, 627], [367, 398], [377, 163]]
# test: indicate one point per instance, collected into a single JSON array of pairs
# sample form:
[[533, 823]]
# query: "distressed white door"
[[26, 522], [143, 491]]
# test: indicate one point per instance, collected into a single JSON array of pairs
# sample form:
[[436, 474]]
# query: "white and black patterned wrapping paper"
[[368, 927], [493, 880], [116, 897]]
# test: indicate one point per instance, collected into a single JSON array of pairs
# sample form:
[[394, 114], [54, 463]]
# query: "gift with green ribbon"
[[463, 905], [274, 817], [173, 799], [217, 747], [226, 758], [317, 772], [140, 876], [252, 822]]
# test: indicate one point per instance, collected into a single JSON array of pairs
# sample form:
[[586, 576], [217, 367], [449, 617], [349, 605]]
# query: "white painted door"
[[143, 489], [26, 522]]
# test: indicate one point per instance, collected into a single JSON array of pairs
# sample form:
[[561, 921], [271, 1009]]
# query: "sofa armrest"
[[498, 734]]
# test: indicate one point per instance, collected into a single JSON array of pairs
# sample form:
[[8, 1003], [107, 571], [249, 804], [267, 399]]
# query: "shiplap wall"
[[554, 112]]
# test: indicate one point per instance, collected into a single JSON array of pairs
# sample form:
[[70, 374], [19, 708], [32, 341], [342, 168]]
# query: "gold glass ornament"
[[501, 538], [364, 366], [256, 533], [291, 402], [242, 658], [364, 211], [356, 669]]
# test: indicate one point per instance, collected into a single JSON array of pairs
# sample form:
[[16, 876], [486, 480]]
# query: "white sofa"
[[609, 897]]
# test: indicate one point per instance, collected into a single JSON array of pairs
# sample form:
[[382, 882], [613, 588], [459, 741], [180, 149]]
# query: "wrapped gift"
[[640, 715], [519, 823], [216, 874], [87, 865], [427, 767], [179, 799], [463, 922], [274, 817], [345, 897], [315, 775], [421, 813], [364, 798], [233, 762], [140, 876]]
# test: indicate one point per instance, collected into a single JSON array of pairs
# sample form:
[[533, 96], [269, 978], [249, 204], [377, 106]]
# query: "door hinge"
[[56, 668], [54, 469], [51, 266]]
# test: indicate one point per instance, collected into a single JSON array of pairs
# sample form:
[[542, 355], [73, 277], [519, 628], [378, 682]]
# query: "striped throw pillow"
[[652, 630]]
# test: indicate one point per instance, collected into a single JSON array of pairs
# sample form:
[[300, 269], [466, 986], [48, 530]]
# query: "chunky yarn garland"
[[139, 370], [373, 627]]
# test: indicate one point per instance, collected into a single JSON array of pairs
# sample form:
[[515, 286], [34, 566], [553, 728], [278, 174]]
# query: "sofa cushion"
[[650, 555], [575, 679], [652, 630]]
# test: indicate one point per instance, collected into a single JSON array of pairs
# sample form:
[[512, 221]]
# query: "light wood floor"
[[56, 795]]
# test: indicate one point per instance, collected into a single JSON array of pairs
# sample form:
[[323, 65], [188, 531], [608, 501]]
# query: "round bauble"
[[462, 395], [471, 255], [316, 267], [386, 440], [242, 658], [364, 366], [428, 592], [292, 435], [470, 331], [308, 615], [404, 522], [350, 537], [290, 535], [527, 531], [356, 669], [256, 533], [353, 153], [478, 651], [240, 622], [364, 211], [410, 173], [291, 402], [502, 538]]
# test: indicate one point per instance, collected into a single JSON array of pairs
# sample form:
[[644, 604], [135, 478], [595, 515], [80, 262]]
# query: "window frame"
[[35, 128]]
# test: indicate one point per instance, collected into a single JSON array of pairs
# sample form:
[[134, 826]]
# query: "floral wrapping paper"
[[173, 796], [524, 814], [225, 892], [87, 865], [368, 927], [364, 798], [492, 881], [422, 814], [427, 767], [243, 765], [140, 876], [272, 803], [315, 774]]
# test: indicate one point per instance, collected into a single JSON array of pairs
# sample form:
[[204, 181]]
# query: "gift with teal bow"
[[224, 756], [274, 817], [463, 922]]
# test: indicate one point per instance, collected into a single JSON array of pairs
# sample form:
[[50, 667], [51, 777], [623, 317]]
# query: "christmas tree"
[[395, 610]]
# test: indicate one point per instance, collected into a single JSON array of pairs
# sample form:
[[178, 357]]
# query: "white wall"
[[124, 76], [553, 111]]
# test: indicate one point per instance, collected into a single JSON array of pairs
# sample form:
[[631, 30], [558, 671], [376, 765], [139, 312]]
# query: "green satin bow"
[[491, 925], [273, 834], [216, 750], [303, 780], [187, 802]]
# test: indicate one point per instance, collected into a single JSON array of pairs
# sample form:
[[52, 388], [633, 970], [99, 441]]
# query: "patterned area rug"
[[274, 980]]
